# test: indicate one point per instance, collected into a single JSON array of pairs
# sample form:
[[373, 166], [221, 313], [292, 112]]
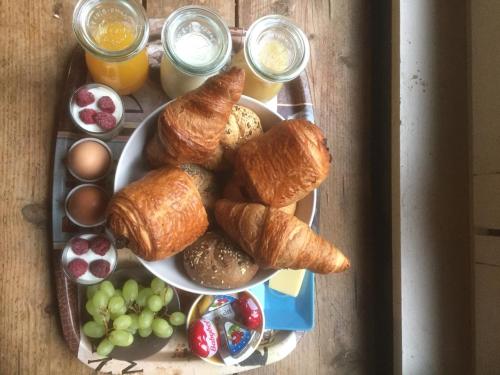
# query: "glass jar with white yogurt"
[[196, 44]]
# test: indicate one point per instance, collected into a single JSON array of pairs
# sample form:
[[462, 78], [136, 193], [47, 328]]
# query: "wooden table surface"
[[353, 328]]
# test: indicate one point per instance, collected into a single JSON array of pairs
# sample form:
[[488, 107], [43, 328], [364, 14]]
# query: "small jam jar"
[[114, 34], [196, 44], [275, 51]]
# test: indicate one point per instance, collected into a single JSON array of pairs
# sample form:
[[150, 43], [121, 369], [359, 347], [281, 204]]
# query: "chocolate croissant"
[[284, 164], [277, 240], [159, 215], [190, 128]]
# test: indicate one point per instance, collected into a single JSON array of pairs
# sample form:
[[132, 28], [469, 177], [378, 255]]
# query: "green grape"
[[145, 319], [177, 318], [102, 317], [121, 311], [161, 328], [94, 330], [167, 294], [134, 325], [130, 290], [130, 338], [118, 292], [105, 347], [115, 304], [154, 303], [89, 306], [143, 296], [122, 322], [100, 300], [145, 332], [107, 287], [91, 289], [157, 285], [119, 337]]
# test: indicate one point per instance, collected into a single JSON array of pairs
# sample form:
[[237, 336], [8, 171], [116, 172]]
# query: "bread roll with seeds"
[[243, 125], [215, 261]]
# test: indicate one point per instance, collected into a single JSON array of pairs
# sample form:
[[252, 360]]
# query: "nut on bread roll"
[[215, 261]]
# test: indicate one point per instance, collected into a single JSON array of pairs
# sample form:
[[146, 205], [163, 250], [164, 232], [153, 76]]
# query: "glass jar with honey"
[[275, 51], [114, 34]]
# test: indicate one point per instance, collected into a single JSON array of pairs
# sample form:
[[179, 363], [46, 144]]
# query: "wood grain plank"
[[162, 8], [339, 72], [487, 250], [487, 319], [485, 85], [35, 45], [487, 201]]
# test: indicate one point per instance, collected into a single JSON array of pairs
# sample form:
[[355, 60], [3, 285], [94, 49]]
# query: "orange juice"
[[124, 76]]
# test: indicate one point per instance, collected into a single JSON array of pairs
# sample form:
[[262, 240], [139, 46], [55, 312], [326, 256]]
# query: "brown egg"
[[87, 205], [89, 160]]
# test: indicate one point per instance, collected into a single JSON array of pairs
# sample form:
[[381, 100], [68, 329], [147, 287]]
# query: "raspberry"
[[100, 268], [105, 120], [84, 97], [87, 115], [100, 245], [77, 267], [106, 104], [79, 245]]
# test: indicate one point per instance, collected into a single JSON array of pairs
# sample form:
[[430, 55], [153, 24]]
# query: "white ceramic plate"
[[132, 166]]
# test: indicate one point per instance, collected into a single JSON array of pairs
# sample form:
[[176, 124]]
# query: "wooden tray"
[[293, 101]]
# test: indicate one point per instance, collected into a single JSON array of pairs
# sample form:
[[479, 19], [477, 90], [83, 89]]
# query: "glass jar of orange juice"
[[275, 51], [114, 34]]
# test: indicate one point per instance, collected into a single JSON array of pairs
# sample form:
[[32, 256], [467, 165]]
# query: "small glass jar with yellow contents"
[[114, 34], [275, 51]]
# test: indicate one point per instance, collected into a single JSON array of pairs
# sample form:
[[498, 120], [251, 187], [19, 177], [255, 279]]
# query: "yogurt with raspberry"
[[89, 258], [97, 110]]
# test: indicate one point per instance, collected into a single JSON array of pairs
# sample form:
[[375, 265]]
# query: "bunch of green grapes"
[[120, 314]]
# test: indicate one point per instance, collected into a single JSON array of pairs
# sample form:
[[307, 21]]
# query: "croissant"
[[190, 128], [235, 192], [277, 240], [284, 164], [159, 215]]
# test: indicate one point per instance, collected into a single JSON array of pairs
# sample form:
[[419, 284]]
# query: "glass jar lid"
[[276, 49], [111, 29], [196, 40]]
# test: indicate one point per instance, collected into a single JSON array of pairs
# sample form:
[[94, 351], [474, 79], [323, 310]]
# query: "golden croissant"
[[190, 128], [284, 164], [159, 215], [277, 240]]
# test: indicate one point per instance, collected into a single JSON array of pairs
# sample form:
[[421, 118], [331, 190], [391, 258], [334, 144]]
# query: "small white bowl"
[[87, 278], [216, 360], [88, 139], [132, 165], [94, 130], [68, 214]]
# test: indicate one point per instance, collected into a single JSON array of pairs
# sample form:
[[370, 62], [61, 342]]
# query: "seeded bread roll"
[[206, 183], [215, 261], [243, 125]]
